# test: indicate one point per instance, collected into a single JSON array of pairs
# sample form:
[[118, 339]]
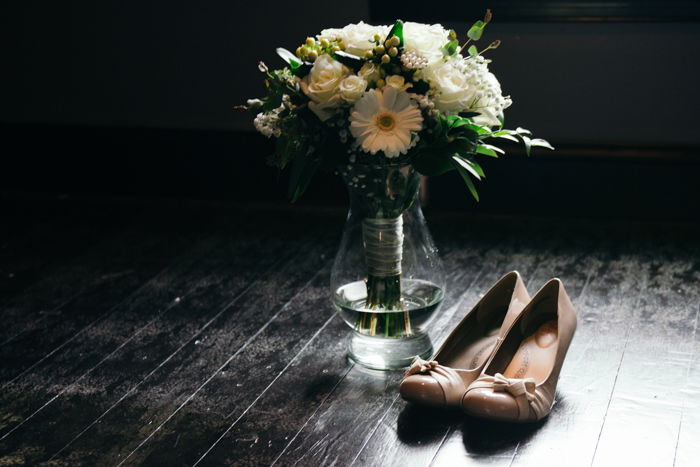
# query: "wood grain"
[[202, 334]]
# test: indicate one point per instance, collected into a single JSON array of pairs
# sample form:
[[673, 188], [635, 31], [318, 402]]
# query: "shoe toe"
[[422, 389], [486, 403]]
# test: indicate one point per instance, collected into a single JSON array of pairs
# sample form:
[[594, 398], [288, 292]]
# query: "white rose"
[[397, 82], [357, 38], [426, 40], [369, 72], [452, 88], [321, 86], [466, 85], [352, 88]]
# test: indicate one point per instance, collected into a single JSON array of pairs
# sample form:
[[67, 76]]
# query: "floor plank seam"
[[448, 432], [313, 414], [218, 370], [90, 325], [197, 333], [46, 314], [373, 430], [687, 377], [617, 374], [86, 373], [160, 365], [289, 364]]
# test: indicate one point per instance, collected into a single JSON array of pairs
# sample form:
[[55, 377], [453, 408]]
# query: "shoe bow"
[[515, 387], [420, 366], [524, 391]]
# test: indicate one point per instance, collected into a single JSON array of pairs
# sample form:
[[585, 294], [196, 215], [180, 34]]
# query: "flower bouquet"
[[380, 106]]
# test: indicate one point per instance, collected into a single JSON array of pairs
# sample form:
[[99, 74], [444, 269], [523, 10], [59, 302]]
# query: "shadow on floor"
[[418, 425]]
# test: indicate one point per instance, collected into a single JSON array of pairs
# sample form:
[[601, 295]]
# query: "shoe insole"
[[474, 354], [536, 354]]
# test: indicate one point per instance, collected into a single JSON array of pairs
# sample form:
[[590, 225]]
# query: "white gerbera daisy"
[[384, 120]]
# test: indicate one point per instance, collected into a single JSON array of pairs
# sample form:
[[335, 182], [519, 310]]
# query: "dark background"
[[136, 99]]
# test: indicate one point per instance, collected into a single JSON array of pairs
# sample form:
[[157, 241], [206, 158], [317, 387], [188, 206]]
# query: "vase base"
[[379, 353]]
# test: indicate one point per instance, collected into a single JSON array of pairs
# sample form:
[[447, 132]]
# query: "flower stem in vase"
[[383, 243]]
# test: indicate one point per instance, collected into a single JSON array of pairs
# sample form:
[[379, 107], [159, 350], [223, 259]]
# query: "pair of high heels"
[[502, 361]]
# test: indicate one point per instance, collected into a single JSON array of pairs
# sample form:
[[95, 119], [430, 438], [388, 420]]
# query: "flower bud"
[[299, 51], [335, 48], [369, 54], [325, 43], [395, 41], [393, 51], [379, 50], [310, 41], [377, 37], [304, 50], [313, 55], [386, 58]]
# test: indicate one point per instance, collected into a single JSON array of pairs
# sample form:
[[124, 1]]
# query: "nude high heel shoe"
[[519, 382], [464, 353]]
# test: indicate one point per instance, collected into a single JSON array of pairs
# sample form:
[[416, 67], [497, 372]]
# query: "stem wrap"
[[383, 242]]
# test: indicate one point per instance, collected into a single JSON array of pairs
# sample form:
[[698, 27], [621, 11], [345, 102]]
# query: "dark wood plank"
[[646, 407], [118, 269], [604, 306], [196, 347], [687, 447], [248, 367], [142, 328]]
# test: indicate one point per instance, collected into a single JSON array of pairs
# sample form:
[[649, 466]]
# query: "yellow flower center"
[[386, 122]]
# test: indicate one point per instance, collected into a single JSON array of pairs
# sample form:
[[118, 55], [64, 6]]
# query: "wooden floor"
[[179, 334]]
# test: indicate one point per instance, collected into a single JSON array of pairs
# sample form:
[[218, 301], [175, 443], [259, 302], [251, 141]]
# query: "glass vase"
[[387, 280]]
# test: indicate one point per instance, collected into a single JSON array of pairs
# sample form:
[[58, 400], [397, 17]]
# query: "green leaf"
[[476, 171], [493, 148], [541, 143], [348, 59], [397, 30], [469, 114], [476, 30], [303, 170], [481, 149], [293, 61], [432, 162], [473, 51], [527, 142], [450, 48], [509, 137], [467, 180]]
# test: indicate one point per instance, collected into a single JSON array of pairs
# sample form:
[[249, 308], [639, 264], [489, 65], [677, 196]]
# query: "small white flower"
[[357, 38], [384, 120], [397, 82], [369, 72], [352, 88], [254, 102], [321, 86], [267, 123]]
